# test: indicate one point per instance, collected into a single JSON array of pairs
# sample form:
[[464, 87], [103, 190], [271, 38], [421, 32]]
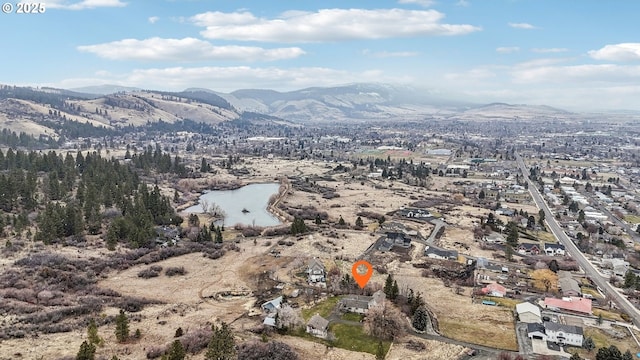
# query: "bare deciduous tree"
[[384, 322], [289, 318]]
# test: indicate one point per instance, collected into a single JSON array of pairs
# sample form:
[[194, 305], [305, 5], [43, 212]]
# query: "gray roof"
[[449, 254], [533, 327], [272, 304], [569, 329], [553, 246], [356, 303], [318, 322], [567, 284], [315, 264]]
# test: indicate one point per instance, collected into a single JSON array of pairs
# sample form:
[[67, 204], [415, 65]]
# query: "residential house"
[[575, 305], [361, 304], [397, 239], [554, 249], [442, 254], [568, 285], [494, 238], [528, 313], [536, 331], [417, 213], [505, 212], [564, 334], [494, 289], [272, 306], [619, 266], [318, 326], [529, 249], [316, 271]]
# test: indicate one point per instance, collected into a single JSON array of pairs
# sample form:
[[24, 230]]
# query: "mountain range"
[[28, 109]]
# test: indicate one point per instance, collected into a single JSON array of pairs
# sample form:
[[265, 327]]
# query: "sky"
[[576, 55]]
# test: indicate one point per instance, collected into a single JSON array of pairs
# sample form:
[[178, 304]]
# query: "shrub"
[[274, 350], [148, 273], [196, 340], [173, 271]]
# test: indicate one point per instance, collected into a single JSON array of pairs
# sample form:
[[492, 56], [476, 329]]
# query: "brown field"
[[434, 350], [458, 318]]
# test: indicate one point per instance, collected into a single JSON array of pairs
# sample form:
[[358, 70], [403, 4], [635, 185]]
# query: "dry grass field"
[[457, 317], [193, 301]]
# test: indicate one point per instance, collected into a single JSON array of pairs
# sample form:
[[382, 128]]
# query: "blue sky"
[[578, 55]]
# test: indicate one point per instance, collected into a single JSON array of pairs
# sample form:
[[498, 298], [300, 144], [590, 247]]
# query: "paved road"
[[438, 225], [573, 250]]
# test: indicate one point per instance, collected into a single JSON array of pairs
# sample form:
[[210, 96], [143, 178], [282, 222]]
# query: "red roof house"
[[571, 304], [494, 289]]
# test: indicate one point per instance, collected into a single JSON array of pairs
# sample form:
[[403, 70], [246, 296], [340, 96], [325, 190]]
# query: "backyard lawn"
[[352, 337], [323, 308]]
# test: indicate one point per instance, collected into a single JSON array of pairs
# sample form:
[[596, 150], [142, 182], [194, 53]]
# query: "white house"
[[564, 334], [528, 312], [315, 271], [554, 249], [317, 326]]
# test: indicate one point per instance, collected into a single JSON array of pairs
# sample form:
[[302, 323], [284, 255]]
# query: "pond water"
[[246, 205]]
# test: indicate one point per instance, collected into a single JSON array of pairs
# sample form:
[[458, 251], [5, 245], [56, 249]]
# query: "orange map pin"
[[362, 279]]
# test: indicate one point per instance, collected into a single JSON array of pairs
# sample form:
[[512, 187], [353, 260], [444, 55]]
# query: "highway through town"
[[573, 250]]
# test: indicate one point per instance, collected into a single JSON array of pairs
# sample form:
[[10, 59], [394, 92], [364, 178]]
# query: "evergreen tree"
[[512, 237], [179, 332], [359, 222], [298, 226], [588, 344], [319, 221], [609, 353], [630, 280], [122, 327], [541, 217], [176, 351], [394, 290], [420, 319], [87, 351], [92, 334], [388, 286], [416, 303], [222, 344], [575, 356]]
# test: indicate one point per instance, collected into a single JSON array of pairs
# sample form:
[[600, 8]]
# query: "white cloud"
[[508, 49], [232, 78], [472, 75], [153, 19], [549, 50], [617, 52], [525, 26], [327, 25], [186, 49], [463, 3], [424, 3], [389, 54], [570, 75], [84, 4]]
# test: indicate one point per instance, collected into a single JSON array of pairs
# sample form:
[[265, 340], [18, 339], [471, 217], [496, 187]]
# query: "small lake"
[[246, 205]]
